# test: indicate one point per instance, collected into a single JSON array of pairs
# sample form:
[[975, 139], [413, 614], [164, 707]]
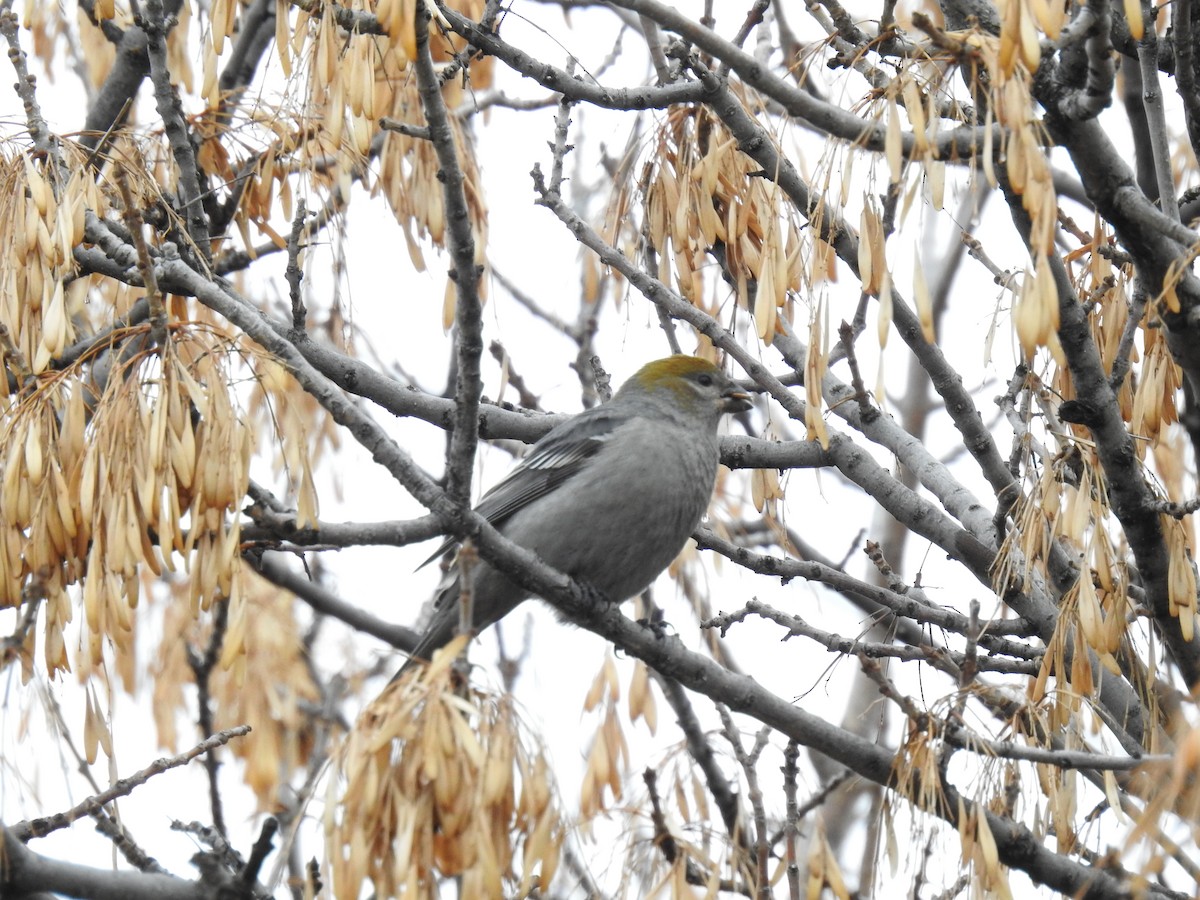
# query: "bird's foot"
[[656, 623]]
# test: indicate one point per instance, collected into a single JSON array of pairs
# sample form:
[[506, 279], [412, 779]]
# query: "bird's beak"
[[735, 400]]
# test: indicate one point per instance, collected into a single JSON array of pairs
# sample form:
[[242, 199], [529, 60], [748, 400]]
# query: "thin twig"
[[170, 109], [294, 272], [460, 239], [791, 830], [202, 666], [133, 219], [41, 827]]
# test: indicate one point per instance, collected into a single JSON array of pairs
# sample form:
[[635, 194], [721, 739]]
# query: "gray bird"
[[608, 497]]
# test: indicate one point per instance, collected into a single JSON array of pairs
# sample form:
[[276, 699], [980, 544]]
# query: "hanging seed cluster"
[[142, 446], [155, 473], [919, 776], [41, 222], [1009, 62], [52, 25], [1106, 287], [437, 784], [1147, 394], [262, 679], [1065, 507], [113, 478], [1001, 67], [699, 192], [303, 432], [42, 219], [608, 757], [1068, 509], [347, 82]]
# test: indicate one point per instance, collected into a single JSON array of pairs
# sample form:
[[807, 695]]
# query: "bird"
[[608, 497]]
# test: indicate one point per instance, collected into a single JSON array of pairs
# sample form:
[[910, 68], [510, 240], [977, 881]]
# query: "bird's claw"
[[657, 624]]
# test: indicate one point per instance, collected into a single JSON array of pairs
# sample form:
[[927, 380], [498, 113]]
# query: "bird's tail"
[[442, 626]]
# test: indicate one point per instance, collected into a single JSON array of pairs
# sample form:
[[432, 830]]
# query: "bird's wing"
[[558, 456]]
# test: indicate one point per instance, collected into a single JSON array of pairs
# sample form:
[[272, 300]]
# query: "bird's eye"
[[705, 380]]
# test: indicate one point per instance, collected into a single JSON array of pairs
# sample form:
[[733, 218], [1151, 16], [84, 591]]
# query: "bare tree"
[[762, 184]]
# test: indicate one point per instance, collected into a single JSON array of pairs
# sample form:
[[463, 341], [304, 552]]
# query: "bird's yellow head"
[[673, 368], [691, 382]]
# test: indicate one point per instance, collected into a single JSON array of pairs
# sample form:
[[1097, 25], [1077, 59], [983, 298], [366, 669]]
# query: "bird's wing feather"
[[558, 456]]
